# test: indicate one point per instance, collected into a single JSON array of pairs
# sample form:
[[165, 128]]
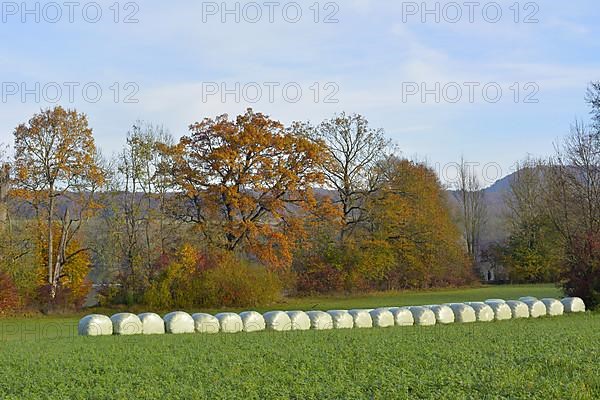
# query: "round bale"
[[553, 307], [483, 312], [463, 313], [501, 310], [361, 318], [299, 320], [152, 324], [206, 323], [402, 316], [382, 318], [423, 316], [320, 320], [230, 322], [278, 321], [443, 313], [536, 308], [253, 321], [95, 325], [573, 304], [341, 319], [126, 324], [179, 322], [518, 309]]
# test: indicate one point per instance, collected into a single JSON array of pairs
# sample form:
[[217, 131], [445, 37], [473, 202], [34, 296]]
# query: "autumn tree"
[[138, 199], [533, 250], [247, 183], [411, 220], [57, 171], [353, 149]]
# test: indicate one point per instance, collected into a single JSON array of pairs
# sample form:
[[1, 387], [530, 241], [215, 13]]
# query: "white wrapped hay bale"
[[423, 316], [527, 299], [483, 312], [126, 324], [206, 323], [443, 313], [382, 318], [573, 304], [179, 322], [501, 310], [278, 321], [320, 320], [95, 325], [402, 316], [553, 307], [463, 313], [341, 319], [253, 321], [536, 308], [230, 322], [299, 320], [361, 318], [518, 309], [152, 324]]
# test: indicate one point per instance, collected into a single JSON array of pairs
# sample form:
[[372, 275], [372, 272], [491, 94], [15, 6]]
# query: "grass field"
[[549, 358]]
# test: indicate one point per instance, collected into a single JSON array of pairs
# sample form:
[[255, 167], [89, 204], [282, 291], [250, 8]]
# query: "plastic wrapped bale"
[[382, 318], [299, 320], [483, 312], [402, 316], [95, 325], [341, 319], [463, 313], [230, 322], [443, 314], [252, 321], [553, 307], [518, 309], [126, 324], [179, 322], [206, 323], [527, 298], [573, 304], [422, 316], [278, 321], [320, 320], [361, 318], [536, 308], [152, 324], [501, 309]]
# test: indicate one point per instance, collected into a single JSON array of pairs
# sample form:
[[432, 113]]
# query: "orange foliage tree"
[[248, 183], [58, 172]]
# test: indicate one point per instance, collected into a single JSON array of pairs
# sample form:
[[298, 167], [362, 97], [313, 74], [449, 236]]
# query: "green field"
[[548, 358]]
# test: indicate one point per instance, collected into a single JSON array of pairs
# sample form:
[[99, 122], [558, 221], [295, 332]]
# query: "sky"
[[491, 81]]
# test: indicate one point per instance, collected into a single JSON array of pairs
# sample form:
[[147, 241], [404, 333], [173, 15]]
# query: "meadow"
[[41, 358]]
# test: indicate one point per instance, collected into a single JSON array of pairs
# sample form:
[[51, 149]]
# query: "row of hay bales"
[[180, 322]]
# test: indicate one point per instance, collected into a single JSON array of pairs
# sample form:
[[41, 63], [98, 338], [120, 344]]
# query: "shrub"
[[9, 296], [238, 283], [582, 270]]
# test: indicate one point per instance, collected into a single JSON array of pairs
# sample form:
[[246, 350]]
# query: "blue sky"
[[368, 61]]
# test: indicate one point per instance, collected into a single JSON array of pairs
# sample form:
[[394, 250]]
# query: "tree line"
[[243, 210]]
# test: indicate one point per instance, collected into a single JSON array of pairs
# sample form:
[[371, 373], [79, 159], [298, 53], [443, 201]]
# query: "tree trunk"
[[50, 245]]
